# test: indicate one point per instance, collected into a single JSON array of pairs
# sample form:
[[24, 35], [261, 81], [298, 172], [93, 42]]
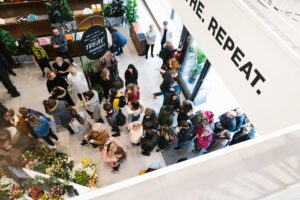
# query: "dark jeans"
[[43, 63], [135, 118], [4, 77], [166, 94], [119, 49], [148, 47], [49, 136], [66, 54]]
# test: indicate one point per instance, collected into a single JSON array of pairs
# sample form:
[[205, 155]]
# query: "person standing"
[[4, 77], [131, 75], [166, 34], [40, 56], [106, 82], [78, 82], [111, 115], [42, 129], [150, 39], [60, 44], [61, 67]]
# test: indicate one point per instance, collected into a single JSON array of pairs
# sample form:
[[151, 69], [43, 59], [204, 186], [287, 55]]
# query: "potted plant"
[[9, 41], [131, 11], [24, 43], [114, 12], [199, 59]]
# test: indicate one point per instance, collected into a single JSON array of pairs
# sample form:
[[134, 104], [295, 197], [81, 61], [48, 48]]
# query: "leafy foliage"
[[59, 11], [25, 43], [115, 9], [131, 11], [9, 41]]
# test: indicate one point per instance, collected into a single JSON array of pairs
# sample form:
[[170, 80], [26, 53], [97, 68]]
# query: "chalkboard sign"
[[95, 42]]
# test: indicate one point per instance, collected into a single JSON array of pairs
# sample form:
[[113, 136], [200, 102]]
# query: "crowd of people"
[[175, 123]]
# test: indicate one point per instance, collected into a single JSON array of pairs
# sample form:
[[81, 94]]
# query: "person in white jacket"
[[134, 111], [93, 106], [77, 82], [166, 34], [135, 132], [79, 124], [150, 39]]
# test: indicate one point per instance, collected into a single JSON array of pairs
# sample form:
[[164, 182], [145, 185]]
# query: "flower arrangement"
[[47, 161], [85, 173], [15, 192], [36, 192]]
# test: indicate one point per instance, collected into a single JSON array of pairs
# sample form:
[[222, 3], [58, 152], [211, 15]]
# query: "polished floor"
[[32, 87]]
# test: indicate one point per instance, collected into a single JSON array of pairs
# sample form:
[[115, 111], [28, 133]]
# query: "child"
[[134, 110], [135, 132]]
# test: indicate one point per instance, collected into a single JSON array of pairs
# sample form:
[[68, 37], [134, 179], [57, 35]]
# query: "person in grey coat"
[[222, 140], [112, 118], [93, 106], [60, 44], [60, 113]]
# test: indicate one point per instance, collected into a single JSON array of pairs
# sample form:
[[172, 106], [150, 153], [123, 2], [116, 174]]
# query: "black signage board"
[[95, 42]]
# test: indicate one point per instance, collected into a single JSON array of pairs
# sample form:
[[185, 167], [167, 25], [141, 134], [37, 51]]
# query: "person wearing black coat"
[[173, 100], [131, 75], [150, 119], [4, 77], [165, 133], [244, 134], [165, 116], [54, 81], [166, 85], [185, 133], [148, 142]]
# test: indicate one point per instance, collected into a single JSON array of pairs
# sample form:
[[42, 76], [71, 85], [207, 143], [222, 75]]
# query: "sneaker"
[[145, 154], [100, 121], [146, 57], [84, 142], [152, 55], [15, 94], [116, 135], [158, 150]]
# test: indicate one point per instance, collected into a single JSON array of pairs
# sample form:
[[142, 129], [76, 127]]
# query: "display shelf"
[[17, 3]]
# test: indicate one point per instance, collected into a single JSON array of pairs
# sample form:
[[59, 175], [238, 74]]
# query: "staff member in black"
[[60, 44], [4, 77]]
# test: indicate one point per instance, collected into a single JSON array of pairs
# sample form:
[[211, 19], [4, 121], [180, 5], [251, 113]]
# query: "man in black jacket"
[[4, 77], [243, 134]]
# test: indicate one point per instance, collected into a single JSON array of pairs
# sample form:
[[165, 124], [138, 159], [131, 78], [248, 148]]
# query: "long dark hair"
[[135, 105], [120, 151], [131, 66]]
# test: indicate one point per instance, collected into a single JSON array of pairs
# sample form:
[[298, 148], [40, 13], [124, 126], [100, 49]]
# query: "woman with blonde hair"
[[97, 137], [61, 67], [106, 82]]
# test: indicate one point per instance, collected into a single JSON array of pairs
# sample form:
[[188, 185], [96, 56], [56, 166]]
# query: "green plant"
[[59, 11], [8, 40], [88, 67], [25, 43], [81, 177], [131, 11], [115, 9]]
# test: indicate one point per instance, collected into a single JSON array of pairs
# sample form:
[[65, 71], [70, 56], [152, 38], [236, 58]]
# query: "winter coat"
[[111, 159], [131, 78], [185, 133], [60, 113], [119, 38], [100, 138], [93, 106], [135, 136], [78, 82], [132, 96], [204, 140], [165, 118], [163, 141], [112, 117], [227, 123], [43, 129], [150, 123], [149, 141], [171, 102], [241, 137], [167, 83], [79, 128], [57, 81]]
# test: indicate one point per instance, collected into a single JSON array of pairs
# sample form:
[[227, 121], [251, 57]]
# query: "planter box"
[[115, 21], [138, 38], [23, 59]]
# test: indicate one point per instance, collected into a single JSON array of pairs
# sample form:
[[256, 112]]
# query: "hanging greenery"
[[115, 9], [131, 11], [59, 11], [8, 40]]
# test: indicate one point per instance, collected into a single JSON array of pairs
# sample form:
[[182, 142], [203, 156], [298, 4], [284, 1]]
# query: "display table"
[[138, 38]]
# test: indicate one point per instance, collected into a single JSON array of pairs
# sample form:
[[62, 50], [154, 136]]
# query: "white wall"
[[250, 170], [278, 104]]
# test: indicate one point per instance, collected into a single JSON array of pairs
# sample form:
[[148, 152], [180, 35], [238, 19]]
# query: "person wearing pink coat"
[[205, 137]]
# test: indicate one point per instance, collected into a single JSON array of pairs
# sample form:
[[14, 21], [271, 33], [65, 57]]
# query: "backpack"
[[122, 101], [121, 119]]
